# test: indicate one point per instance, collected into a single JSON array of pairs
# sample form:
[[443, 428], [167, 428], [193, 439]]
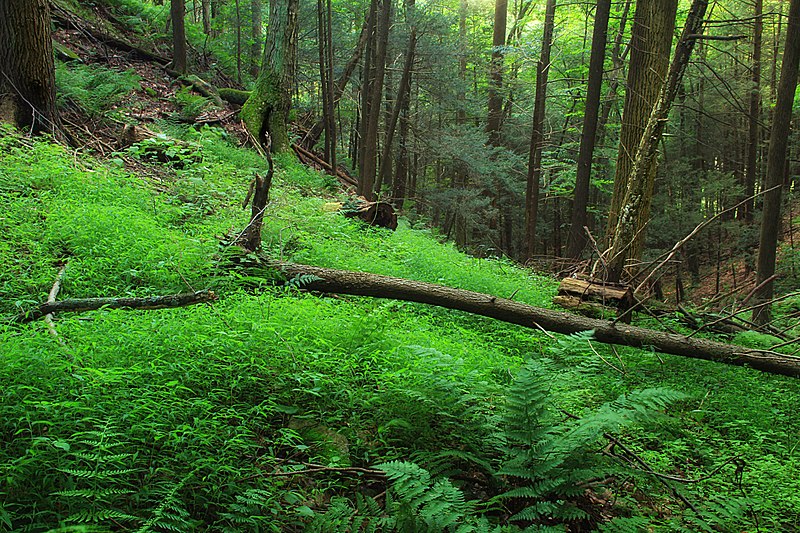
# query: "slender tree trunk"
[[177, 8], [331, 90], [266, 112], [369, 164], [495, 114], [322, 42], [256, 34], [238, 42], [633, 213], [776, 161], [312, 137], [403, 93], [27, 72], [755, 112], [577, 235], [537, 134]]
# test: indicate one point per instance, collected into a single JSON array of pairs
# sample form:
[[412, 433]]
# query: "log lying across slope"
[[363, 284]]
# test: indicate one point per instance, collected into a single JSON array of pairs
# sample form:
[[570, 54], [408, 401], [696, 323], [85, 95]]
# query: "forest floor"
[[277, 410]]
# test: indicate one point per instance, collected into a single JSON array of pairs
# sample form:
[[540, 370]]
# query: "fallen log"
[[67, 19], [310, 158], [79, 305], [363, 284]]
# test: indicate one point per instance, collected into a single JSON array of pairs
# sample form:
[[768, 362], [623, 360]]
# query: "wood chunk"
[[574, 292]]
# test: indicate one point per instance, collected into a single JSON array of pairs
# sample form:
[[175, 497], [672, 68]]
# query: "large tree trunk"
[[537, 134], [653, 25], [27, 73], [266, 112], [577, 235], [363, 284], [206, 6], [177, 9], [776, 161]]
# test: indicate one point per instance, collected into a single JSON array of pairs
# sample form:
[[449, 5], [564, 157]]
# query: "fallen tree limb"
[[364, 284], [79, 305], [66, 19]]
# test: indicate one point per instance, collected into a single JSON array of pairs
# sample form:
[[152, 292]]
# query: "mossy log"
[[78, 305], [329, 280], [234, 96]]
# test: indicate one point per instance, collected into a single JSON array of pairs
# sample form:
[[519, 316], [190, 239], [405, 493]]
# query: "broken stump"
[[591, 297]]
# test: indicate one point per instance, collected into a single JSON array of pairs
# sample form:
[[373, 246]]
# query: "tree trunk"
[[177, 9], [206, 6], [256, 34], [312, 137], [266, 112], [27, 72], [577, 235], [238, 41], [363, 284], [79, 305], [403, 94], [653, 25], [537, 134], [495, 105], [776, 161], [755, 112], [371, 116]]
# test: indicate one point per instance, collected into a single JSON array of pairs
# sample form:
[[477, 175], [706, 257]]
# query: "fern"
[[97, 482], [546, 459], [301, 280]]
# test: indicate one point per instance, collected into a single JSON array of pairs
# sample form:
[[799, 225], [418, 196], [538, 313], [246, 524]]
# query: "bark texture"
[[79, 305], [537, 134], [27, 72], [363, 284], [266, 112], [495, 104], [177, 9], [651, 39], [753, 118], [577, 235], [776, 161]]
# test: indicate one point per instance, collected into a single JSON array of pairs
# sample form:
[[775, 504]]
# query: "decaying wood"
[[309, 158], [364, 284], [65, 18], [573, 292], [79, 305], [379, 214], [51, 298]]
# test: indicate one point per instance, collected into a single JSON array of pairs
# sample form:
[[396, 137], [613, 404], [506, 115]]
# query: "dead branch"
[[80, 305]]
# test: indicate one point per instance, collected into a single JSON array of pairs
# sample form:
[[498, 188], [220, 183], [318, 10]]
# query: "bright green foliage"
[[173, 420], [92, 88]]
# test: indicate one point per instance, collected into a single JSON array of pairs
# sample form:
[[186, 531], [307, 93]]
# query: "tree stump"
[[380, 214], [591, 297]]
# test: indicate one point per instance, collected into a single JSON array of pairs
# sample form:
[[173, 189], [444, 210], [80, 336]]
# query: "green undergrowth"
[[193, 419]]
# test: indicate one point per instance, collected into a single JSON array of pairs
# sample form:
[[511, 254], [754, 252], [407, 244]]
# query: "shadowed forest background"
[[371, 265]]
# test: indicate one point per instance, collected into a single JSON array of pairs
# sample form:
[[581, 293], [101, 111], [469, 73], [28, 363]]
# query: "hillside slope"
[[275, 410]]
